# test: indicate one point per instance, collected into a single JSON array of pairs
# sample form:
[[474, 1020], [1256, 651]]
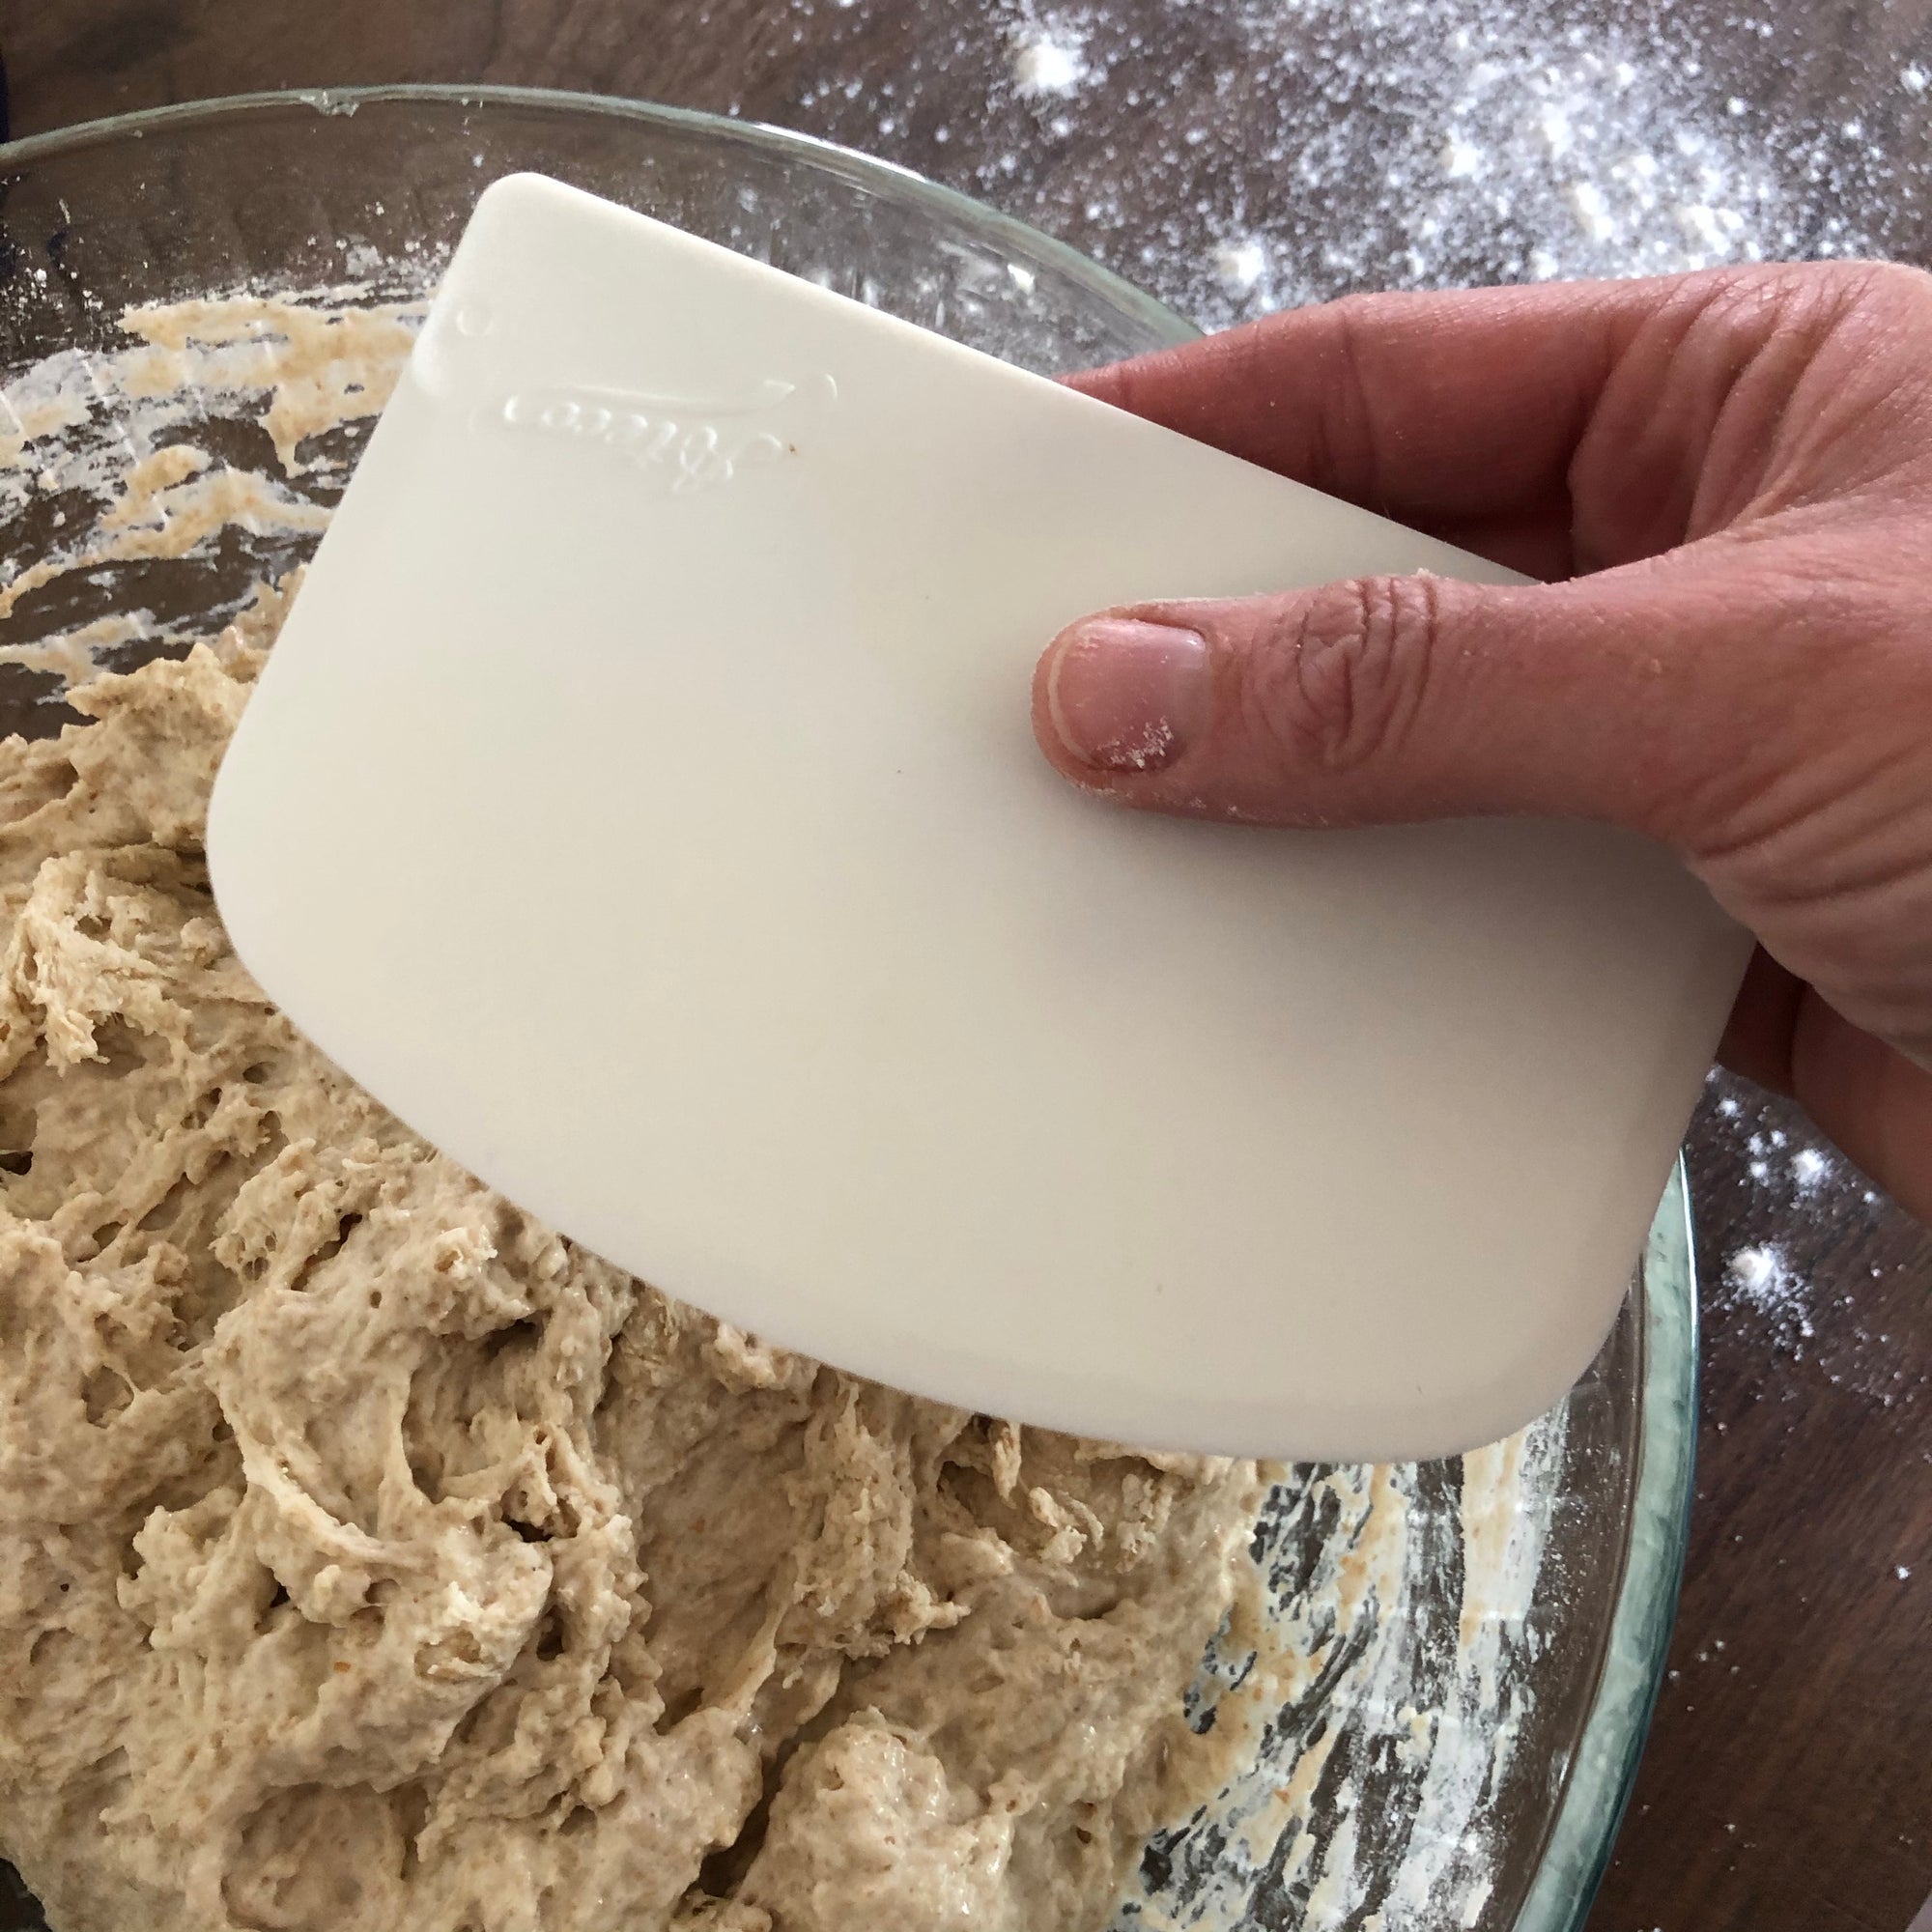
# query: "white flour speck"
[[1593, 210], [1049, 58], [1760, 1280], [1240, 265], [1809, 1166]]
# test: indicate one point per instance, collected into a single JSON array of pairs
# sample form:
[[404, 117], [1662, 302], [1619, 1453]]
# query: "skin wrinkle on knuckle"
[[1806, 300], [1880, 286], [1345, 430], [1338, 680], [1867, 316], [1769, 333], [1753, 767], [1818, 850], [1828, 824], [1802, 378], [1852, 424], [1656, 354]]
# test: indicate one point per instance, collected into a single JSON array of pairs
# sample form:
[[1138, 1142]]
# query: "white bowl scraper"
[[642, 803]]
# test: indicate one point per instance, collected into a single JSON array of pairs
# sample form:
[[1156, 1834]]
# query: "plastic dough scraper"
[[642, 803]]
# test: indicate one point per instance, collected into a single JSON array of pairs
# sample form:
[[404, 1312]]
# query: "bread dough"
[[374, 1560]]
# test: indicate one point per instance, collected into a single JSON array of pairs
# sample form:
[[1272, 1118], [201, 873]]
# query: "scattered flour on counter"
[[1242, 156], [1812, 1179], [1464, 142], [1250, 155]]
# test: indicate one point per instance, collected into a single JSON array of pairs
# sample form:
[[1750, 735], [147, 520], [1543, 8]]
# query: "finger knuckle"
[[1813, 300], [1340, 678], [1894, 286]]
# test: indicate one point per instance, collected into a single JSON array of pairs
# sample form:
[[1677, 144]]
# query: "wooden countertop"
[[1226, 153]]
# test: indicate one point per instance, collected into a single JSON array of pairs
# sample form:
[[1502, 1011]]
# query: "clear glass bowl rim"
[[1599, 1778], [865, 170]]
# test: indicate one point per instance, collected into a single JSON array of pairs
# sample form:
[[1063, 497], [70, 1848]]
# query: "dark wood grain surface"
[[1788, 1783]]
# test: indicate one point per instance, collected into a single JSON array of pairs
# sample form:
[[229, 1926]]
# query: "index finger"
[[1458, 412]]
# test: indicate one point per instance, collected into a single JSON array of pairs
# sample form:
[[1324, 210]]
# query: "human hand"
[[1727, 478]]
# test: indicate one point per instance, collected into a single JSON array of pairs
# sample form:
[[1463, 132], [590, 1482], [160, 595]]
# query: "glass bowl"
[[1463, 1656]]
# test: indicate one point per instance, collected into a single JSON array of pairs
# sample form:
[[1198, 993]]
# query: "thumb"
[[1623, 696]]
